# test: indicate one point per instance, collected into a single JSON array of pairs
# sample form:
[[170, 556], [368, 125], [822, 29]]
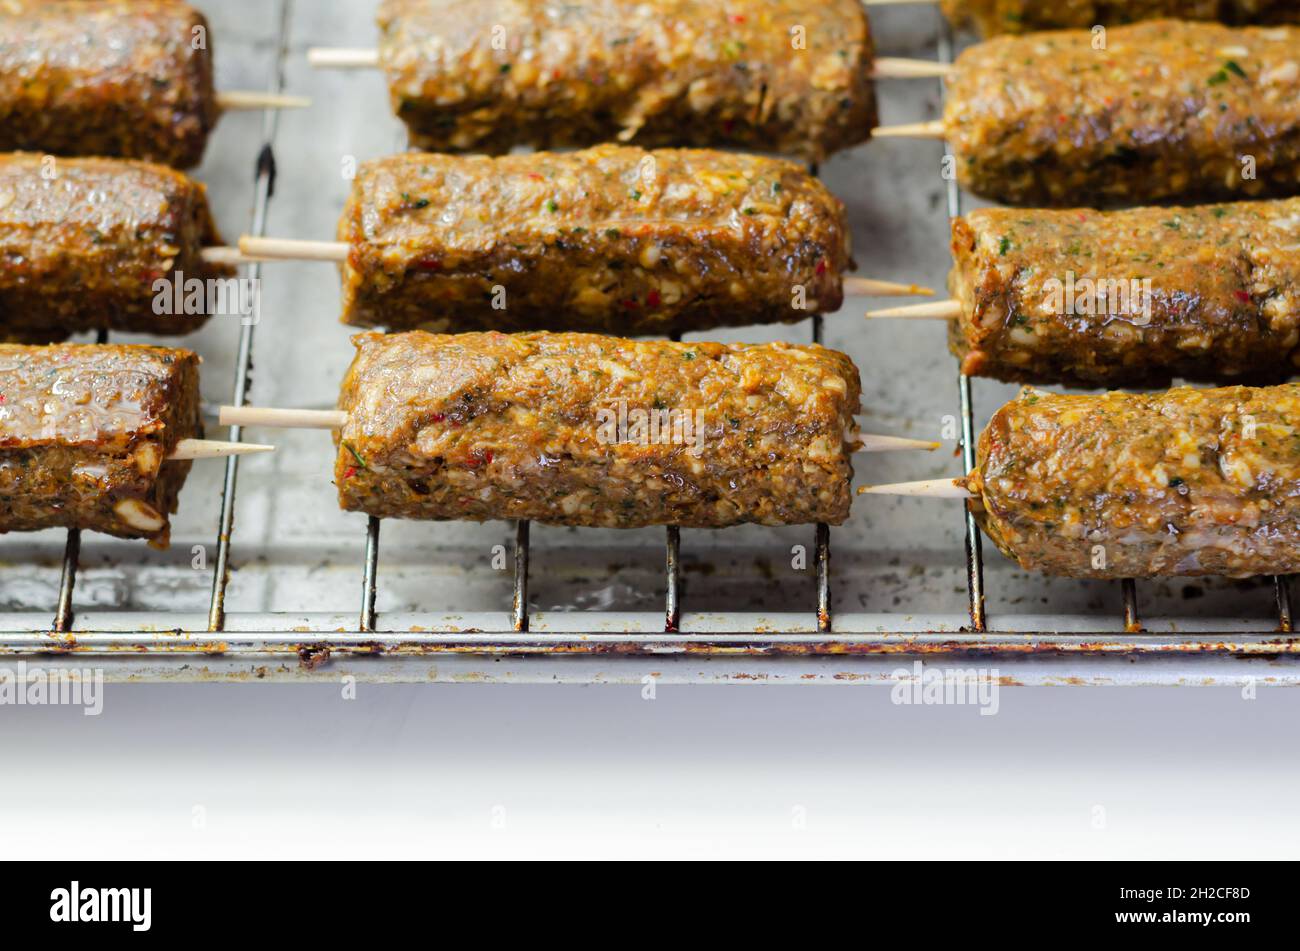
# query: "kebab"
[[585, 430], [487, 75], [1166, 111], [125, 78], [992, 17], [613, 239], [1139, 485], [1125, 298], [99, 437], [84, 241]]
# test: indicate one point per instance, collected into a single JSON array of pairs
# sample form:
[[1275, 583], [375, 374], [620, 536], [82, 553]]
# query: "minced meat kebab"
[[83, 243], [1133, 297], [615, 239], [776, 75], [1140, 485], [585, 430], [1157, 112], [85, 432]]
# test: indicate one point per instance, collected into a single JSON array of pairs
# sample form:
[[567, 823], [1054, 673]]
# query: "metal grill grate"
[[524, 634]]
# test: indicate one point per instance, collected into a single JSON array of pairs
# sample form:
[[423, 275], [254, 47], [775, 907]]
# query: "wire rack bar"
[[521, 576], [1132, 619], [974, 543], [673, 575], [1282, 594], [71, 555], [370, 576], [244, 361]]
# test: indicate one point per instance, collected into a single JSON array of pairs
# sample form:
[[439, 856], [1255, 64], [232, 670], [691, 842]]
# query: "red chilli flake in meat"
[[1242, 296], [349, 472], [821, 267], [653, 299]]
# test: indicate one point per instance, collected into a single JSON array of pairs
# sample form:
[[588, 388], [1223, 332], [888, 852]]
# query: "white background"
[[484, 771]]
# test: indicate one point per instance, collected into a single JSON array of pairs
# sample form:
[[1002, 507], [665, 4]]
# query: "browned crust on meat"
[[992, 17], [1166, 111], [127, 78], [493, 426], [1125, 485], [84, 241], [86, 429], [614, 239], [1223, 294], [773, 75]]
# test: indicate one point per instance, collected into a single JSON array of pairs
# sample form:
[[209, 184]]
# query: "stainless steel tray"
[[315, 593]]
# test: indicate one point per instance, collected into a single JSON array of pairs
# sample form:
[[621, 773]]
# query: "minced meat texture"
[[585, 430], [992, 17], [84, 241], [613, 239], [1165, 111], [1128, 485], [85, 432], [1061, 296], [125, 78], [774, 75]]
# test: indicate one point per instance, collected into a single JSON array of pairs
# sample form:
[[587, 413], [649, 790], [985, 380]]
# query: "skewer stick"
[[282, 418], [874, 443], [229, 256], [336, 419], [927, 489], [934, 129], [931, 310], [326, 58], [189, 449], [288, 249], [246, 101], [894, 67], [869, 287], [885, 67]]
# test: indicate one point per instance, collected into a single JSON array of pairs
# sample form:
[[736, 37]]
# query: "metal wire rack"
[[523, 645]]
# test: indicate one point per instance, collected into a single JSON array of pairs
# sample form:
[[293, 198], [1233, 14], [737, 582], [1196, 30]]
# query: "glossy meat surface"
[[773, 75], [578, 429], [613, 239], [85, 431]]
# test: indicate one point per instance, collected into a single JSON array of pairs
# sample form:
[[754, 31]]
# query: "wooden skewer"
[[931, 310], [288, 249], [229, 256], [874, 443], [336, 419], [894, 67], [245, 101], [927, 488], [869, 287], [327, 58], [282, 418], [885, 67], [189, 449], [934, 129]]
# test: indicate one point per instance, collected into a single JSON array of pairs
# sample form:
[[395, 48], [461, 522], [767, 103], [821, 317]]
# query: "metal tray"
[[267, 579]]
